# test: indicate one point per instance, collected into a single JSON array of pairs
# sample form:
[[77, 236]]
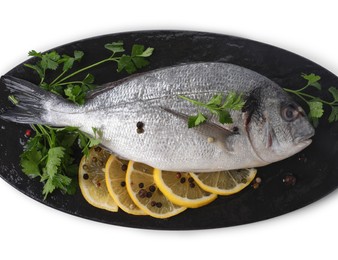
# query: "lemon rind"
[[180, 200], [140, 205], [137, 211], [88, 198], [239, 187]]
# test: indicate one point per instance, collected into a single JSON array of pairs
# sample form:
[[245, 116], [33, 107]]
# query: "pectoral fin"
[[214, 133]]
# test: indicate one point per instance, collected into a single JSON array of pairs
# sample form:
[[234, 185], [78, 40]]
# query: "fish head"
[[276, 125]]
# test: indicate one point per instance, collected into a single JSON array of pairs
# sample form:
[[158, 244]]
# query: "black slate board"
[[316, 168]]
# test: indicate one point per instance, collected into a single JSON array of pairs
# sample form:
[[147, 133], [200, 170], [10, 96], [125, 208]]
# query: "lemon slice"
[[143, 191], [181, 189], [224, 182], [92, 180], [115, 172]]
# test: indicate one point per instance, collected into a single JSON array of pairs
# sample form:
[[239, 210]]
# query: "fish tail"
[[31, 99]]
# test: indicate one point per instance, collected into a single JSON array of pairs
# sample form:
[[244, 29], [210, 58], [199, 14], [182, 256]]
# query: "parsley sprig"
[[217, 105], [49, 154], [75, 90], [316, 104]]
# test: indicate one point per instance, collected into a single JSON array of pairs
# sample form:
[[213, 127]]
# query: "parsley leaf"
[[224, 117], [217, 106], [30, 163], [136, 60], [312, 80], [196, 120], [334, 114], [55, 155], [316, 109], [115, 47], [334, 92]]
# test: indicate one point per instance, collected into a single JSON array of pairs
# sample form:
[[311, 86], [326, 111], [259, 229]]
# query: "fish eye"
[[290, 113]]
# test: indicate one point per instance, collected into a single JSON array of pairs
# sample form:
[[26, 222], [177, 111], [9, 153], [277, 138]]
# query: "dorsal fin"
[[110, 85]]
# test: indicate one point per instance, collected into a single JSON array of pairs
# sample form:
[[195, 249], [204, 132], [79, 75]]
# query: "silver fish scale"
[[179, 80], [167, 143]]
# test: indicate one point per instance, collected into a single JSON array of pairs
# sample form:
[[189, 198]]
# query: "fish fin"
[[108, 86], [216, 133], [29, 109]]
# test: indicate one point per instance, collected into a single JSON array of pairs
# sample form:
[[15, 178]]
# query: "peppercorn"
[[153, 203], [149, 194], [85, 167], [141, 185], [255, 185], [123, 183], [178, 175], [28, 133], [289, 180], [85, 176], [152, 188], [98, 149], [142, 193], [182, 180], [159, 204], [192, 185], [190, 179], [140, 125], [124, 167]]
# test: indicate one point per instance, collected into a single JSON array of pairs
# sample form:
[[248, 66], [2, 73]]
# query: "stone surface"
[[316, 176]]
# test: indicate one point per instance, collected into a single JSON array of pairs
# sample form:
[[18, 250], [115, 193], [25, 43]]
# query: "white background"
[[29, 229]]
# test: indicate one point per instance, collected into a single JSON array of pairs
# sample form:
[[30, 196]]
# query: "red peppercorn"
[[289, 180], [28, 133]]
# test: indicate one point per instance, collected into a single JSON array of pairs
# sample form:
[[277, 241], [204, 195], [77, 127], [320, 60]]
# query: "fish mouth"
[[304, 140]]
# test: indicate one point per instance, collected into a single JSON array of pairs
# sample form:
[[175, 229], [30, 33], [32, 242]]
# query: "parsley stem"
[[70, 82], [302, 95], [84, 69], [58, 77]]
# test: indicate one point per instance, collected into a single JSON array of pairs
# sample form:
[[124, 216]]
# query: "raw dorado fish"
[[143, 118]]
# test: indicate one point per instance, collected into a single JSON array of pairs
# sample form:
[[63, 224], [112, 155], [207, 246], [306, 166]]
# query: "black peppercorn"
[[140, 125], [152, 188], [142, 193]]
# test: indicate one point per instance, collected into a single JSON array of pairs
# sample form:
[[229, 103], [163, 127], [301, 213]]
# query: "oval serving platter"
[[315, 168]]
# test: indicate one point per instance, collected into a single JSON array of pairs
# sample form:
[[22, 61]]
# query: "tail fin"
[[32, 98]]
